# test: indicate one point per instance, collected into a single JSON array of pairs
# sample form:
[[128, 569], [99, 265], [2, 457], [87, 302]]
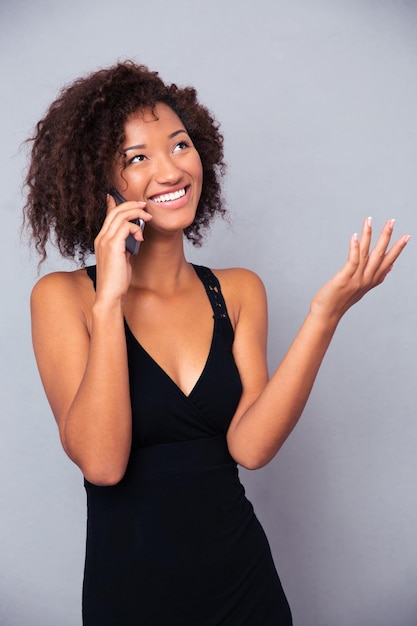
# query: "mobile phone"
[[132, 245]]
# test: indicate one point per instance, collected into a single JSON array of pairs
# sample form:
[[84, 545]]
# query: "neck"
[[160, 265]]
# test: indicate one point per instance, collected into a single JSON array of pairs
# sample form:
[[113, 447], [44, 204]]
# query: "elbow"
[[101, 480], [103, 470], [99, 472], [254, 462], [102, 476], [251, 458], [250, 454]]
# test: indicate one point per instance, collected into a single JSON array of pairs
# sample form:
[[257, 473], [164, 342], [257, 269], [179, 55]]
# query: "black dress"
[[176, 542]]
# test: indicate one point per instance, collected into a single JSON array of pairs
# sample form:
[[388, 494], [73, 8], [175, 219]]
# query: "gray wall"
[[318, 104]]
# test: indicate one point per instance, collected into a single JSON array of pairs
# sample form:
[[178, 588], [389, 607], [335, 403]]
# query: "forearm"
[[96, 433], [259, 429], [262, 429]]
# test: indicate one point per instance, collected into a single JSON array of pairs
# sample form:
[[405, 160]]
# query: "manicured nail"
[[391, 224], [369, 220], [406, 239], [355, 237]]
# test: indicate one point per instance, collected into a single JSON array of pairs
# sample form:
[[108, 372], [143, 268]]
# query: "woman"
[[155, 369]]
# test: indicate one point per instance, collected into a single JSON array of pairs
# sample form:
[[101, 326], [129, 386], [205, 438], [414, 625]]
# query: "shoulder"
[[233, 275], [243, 291], [61, 292], [61, 281], [239, 282]]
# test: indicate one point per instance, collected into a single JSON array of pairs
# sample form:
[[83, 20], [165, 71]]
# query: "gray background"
[[318, 105]]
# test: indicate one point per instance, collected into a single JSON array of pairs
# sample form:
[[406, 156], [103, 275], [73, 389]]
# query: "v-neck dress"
[[176, 542]]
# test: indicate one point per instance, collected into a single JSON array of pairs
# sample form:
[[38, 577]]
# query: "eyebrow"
[[142, 146]]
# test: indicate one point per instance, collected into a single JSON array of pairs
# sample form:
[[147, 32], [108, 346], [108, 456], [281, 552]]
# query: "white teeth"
[[166, 197]]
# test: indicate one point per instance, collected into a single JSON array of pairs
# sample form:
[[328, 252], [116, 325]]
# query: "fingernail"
[[355, 236], [407, 238], [369, 220], [391, 224]]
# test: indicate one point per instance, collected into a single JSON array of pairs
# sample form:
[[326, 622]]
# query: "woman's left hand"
[[363, 271]]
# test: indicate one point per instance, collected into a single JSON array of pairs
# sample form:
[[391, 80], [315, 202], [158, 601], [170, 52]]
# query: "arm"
[[268, 412], [80, 348], [84, 376]]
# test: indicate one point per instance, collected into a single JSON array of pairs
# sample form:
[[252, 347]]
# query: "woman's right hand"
[[114, 270]]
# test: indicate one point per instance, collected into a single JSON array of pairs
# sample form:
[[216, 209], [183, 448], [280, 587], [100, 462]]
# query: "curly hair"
[[74, 147]]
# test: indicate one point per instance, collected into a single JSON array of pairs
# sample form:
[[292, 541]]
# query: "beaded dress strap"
[[213, 290]]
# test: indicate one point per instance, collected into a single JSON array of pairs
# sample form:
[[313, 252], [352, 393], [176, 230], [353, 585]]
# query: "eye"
[[182, 145], [138, 158]]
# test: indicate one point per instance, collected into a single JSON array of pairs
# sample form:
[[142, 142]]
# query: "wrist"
[[323, 318], [107, 310]]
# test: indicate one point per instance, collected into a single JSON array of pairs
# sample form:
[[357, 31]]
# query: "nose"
[[166, 170]]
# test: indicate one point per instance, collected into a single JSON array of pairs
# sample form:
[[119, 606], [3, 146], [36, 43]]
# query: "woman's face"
[[160, 165]]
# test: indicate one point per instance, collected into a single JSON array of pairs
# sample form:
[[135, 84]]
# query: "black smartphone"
[[132, 245]]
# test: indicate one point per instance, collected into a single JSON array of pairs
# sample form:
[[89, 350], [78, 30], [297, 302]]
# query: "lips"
[[168, 197]]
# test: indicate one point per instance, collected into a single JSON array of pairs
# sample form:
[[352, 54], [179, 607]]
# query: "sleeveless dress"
[[176, 542]]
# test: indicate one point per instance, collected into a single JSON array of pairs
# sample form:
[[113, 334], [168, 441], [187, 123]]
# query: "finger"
[[139, 225], [393, 254], [111, 203], [377, 258], [118, 222], [353, 259], [121, 212], [365, 240], [391, 257], [114, 236]]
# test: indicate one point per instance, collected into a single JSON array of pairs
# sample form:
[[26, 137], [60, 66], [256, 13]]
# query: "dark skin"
[[79, 336]]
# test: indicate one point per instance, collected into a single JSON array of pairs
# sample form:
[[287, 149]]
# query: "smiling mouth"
[[168, 197]]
